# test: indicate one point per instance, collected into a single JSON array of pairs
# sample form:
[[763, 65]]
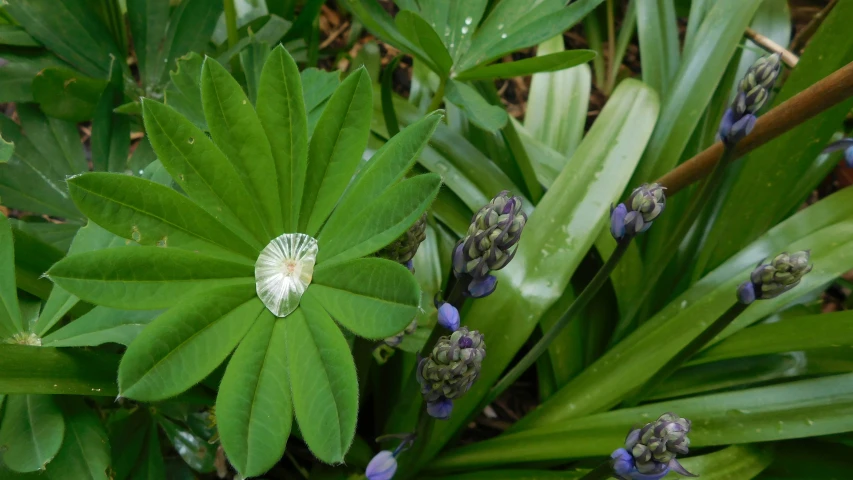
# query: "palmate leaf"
[[56, 371], [186, 343], [194, 450], [253, 407], [101, 325], [10, 310], [31, 432], [420, 33], [85, 451]]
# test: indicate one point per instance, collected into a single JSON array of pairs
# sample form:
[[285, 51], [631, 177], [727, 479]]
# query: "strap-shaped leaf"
[[420, 33], [182, 346], [99, 326], [253, 408], [202, 170], [85, 451], [387, 217], [144, 278], [335, 149], [152, 214], [323, 381], [31, 432], [281, 109], [528, 66], [237, 131], [372, 297], [388, 165], [10, 310]]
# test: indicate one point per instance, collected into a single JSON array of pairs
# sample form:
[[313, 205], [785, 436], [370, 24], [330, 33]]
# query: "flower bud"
[[482, 287], [382, 466], [769, 280], [448, 317], [845, 144], [396, 340], [404, 248], [650, 451], [490, 243], [645, 204], [753, 92], [452, 366], [440, 409]]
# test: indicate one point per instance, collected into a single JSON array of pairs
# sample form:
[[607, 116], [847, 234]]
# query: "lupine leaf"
[[151, 465], [253, 407], [455, 22], [270, 33], [152, 214], [418, 31], [374, 298], [253, 58], [183, 93], [194, 450], [528, 66], [237, 131], [374, 17], [148, 20], [10, 310], [85, 452], [281, 109], [559, 233], [144, 277], [335, 149], [32, 258], [182, 346], [67, 94], [31, 432], [190, 27], [101, 325], [29, 369], [202, 170], [128, 432], [384, 219], [323, 381], [480, 112], [56, 140]]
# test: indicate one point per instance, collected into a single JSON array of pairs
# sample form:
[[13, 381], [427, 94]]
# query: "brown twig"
[[806, 33], [812, 101], [768, 44], [332, 36]]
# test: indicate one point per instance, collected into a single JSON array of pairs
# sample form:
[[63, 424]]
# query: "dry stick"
[[812, 101], [768, 44]]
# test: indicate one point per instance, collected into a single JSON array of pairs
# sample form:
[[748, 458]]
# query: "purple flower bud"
[[617, 221], [410, 265], [848, 156], [440, 409], [845, 144], [622, 461], [448, 317], [482, 287], [382, 466], [746, 293]]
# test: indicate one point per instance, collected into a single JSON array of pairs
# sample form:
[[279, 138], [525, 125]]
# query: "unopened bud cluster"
[[769, 280], [636, 215], [450, 369], [650, 451], [753, 92], [403, 249]]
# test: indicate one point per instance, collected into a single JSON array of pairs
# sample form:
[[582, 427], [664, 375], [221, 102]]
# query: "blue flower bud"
[[482, 287], [746, 293], [845, 144], [448, 317], [440, 409], [382, 466], [617, 221]]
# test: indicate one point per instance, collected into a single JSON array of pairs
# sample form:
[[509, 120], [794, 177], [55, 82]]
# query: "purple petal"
[[482, 287], [746, 293], [440, 409], [448, 317], [843, 144], [382, 466], [679, 469], [617, 221]]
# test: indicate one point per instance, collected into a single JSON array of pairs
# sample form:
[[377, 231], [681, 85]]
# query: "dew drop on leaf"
[[284, 270]]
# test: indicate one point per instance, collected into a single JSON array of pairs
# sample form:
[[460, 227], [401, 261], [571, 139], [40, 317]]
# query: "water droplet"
[[141, 172], [684, 304], [446, 31], [464, 30], [468, 20], [452, 45], [503, 35], [501, 26], [809, 421], [245, 101], [284, 270], [191, 140]]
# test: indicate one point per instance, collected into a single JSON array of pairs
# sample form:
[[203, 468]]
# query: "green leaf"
[[144, 278], [72, 30], [101, 325], [190, 28], [152, 214], [335, 149], [418, 31], [151, 465], [557, 236], [542, 63], [182, 346], [513, 25], [17, 76], [372, 297], [323, 381], [384, 219], [57, 235], [10, 310], [377, 19], [67, 94], [148, 20], [385, 168], [253, 59], [202, 170], [456, 22], [16, 36], [128, 431], [32, 258], [31, 432], [700, 71], [194, 450], [253, 407], [237, 131], [111, 131], [183, 93], [27, 369], [85, 452], [832, 330], [271, 33], [56, 140], [658, 33], [317, 87], [480, 112], [281, 110]]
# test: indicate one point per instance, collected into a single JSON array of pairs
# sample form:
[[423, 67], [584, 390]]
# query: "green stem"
[[685, 353], [231, 28], [574, 309], [601, 472], [611, 45], [656, 267], [438, 97]]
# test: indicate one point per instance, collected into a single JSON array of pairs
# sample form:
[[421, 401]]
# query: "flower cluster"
[[636, 215], [753, 91], [489, 244], [650, 451], [769, 280], [450, 370], [403, 249]]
